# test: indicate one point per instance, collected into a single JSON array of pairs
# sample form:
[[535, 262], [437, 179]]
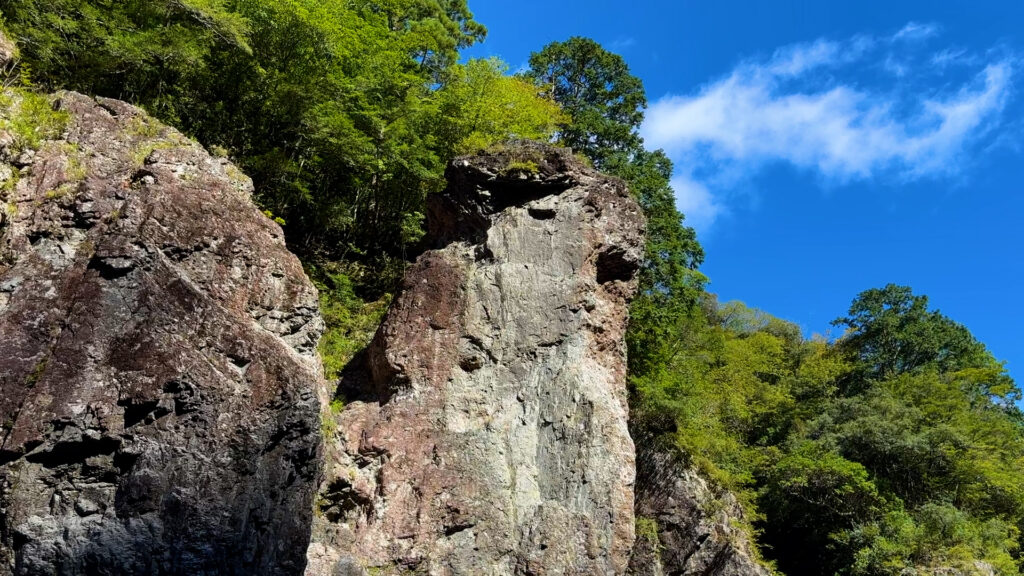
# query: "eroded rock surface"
[[158, 372], [485, 430], [688, 529]]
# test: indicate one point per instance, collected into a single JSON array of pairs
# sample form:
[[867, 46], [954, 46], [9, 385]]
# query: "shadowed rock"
[[158, 373], [692, 527]]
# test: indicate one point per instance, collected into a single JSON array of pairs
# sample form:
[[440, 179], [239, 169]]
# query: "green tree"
[[146, 51], [598, 92], [670, 284], [810, 498], [479, 106], [892, 332]]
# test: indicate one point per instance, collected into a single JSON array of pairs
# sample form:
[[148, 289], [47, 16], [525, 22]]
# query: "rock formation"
[[686, 527], [485, 429], [162, 409], [158, 372]]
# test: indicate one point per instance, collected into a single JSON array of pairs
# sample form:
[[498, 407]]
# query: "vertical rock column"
[[485, 428]]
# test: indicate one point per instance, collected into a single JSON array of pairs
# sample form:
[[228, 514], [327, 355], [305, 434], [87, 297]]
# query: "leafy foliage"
[[349, 321], [146, 51], [30, 119], [597, 91], [480, 105], [892, 332], [843, 469]]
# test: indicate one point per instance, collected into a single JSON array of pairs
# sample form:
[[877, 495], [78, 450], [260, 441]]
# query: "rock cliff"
[[158, 372], [162, 409], [686, 527], [485, 429]]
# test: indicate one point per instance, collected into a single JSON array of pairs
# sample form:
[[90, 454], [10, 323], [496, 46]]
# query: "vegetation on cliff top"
[[896, 446]]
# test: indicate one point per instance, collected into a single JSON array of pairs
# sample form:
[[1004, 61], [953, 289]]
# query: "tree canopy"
[[596, 89]]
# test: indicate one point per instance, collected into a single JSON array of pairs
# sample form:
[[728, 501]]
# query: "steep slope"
[[686, 528], [485, 430], [158, 372]]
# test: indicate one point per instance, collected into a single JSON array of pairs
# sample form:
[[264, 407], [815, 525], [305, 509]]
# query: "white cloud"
[[917, 31], [695, 201], [797, 59], [622, 43], [951, 57], [788, 109], [895, 67]]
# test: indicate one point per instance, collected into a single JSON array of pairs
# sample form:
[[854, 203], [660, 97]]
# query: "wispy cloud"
[[953, 57], [622, 43], [797, 59], [817, 106], [917, 31]]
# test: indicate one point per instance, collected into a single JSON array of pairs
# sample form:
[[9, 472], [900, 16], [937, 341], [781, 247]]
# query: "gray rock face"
[[689, 527], [485, 430], [8, 52], [158, 373]]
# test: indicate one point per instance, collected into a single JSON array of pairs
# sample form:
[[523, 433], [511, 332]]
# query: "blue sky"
[[822, 149]]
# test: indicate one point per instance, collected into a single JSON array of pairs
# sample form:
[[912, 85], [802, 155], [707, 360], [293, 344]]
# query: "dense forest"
[[897, 445]]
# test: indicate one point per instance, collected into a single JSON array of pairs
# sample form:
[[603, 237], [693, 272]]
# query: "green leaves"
[[937, 538], [30, 118], [847, 468], [598, 92], [350, 323], [144, 50], [892, 332], [480, 106]]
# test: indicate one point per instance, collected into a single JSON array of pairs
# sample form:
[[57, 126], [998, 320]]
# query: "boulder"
[[158, 368]]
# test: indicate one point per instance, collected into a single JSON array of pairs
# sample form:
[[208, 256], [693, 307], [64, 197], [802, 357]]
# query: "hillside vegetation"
[[896, 446]]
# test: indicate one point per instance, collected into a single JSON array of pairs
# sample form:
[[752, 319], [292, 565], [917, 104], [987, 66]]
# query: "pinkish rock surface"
[[485, 430]]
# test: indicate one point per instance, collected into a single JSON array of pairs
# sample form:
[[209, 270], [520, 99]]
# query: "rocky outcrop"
[[686, 527], [162, 410], [485, 429], [158, 372]]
